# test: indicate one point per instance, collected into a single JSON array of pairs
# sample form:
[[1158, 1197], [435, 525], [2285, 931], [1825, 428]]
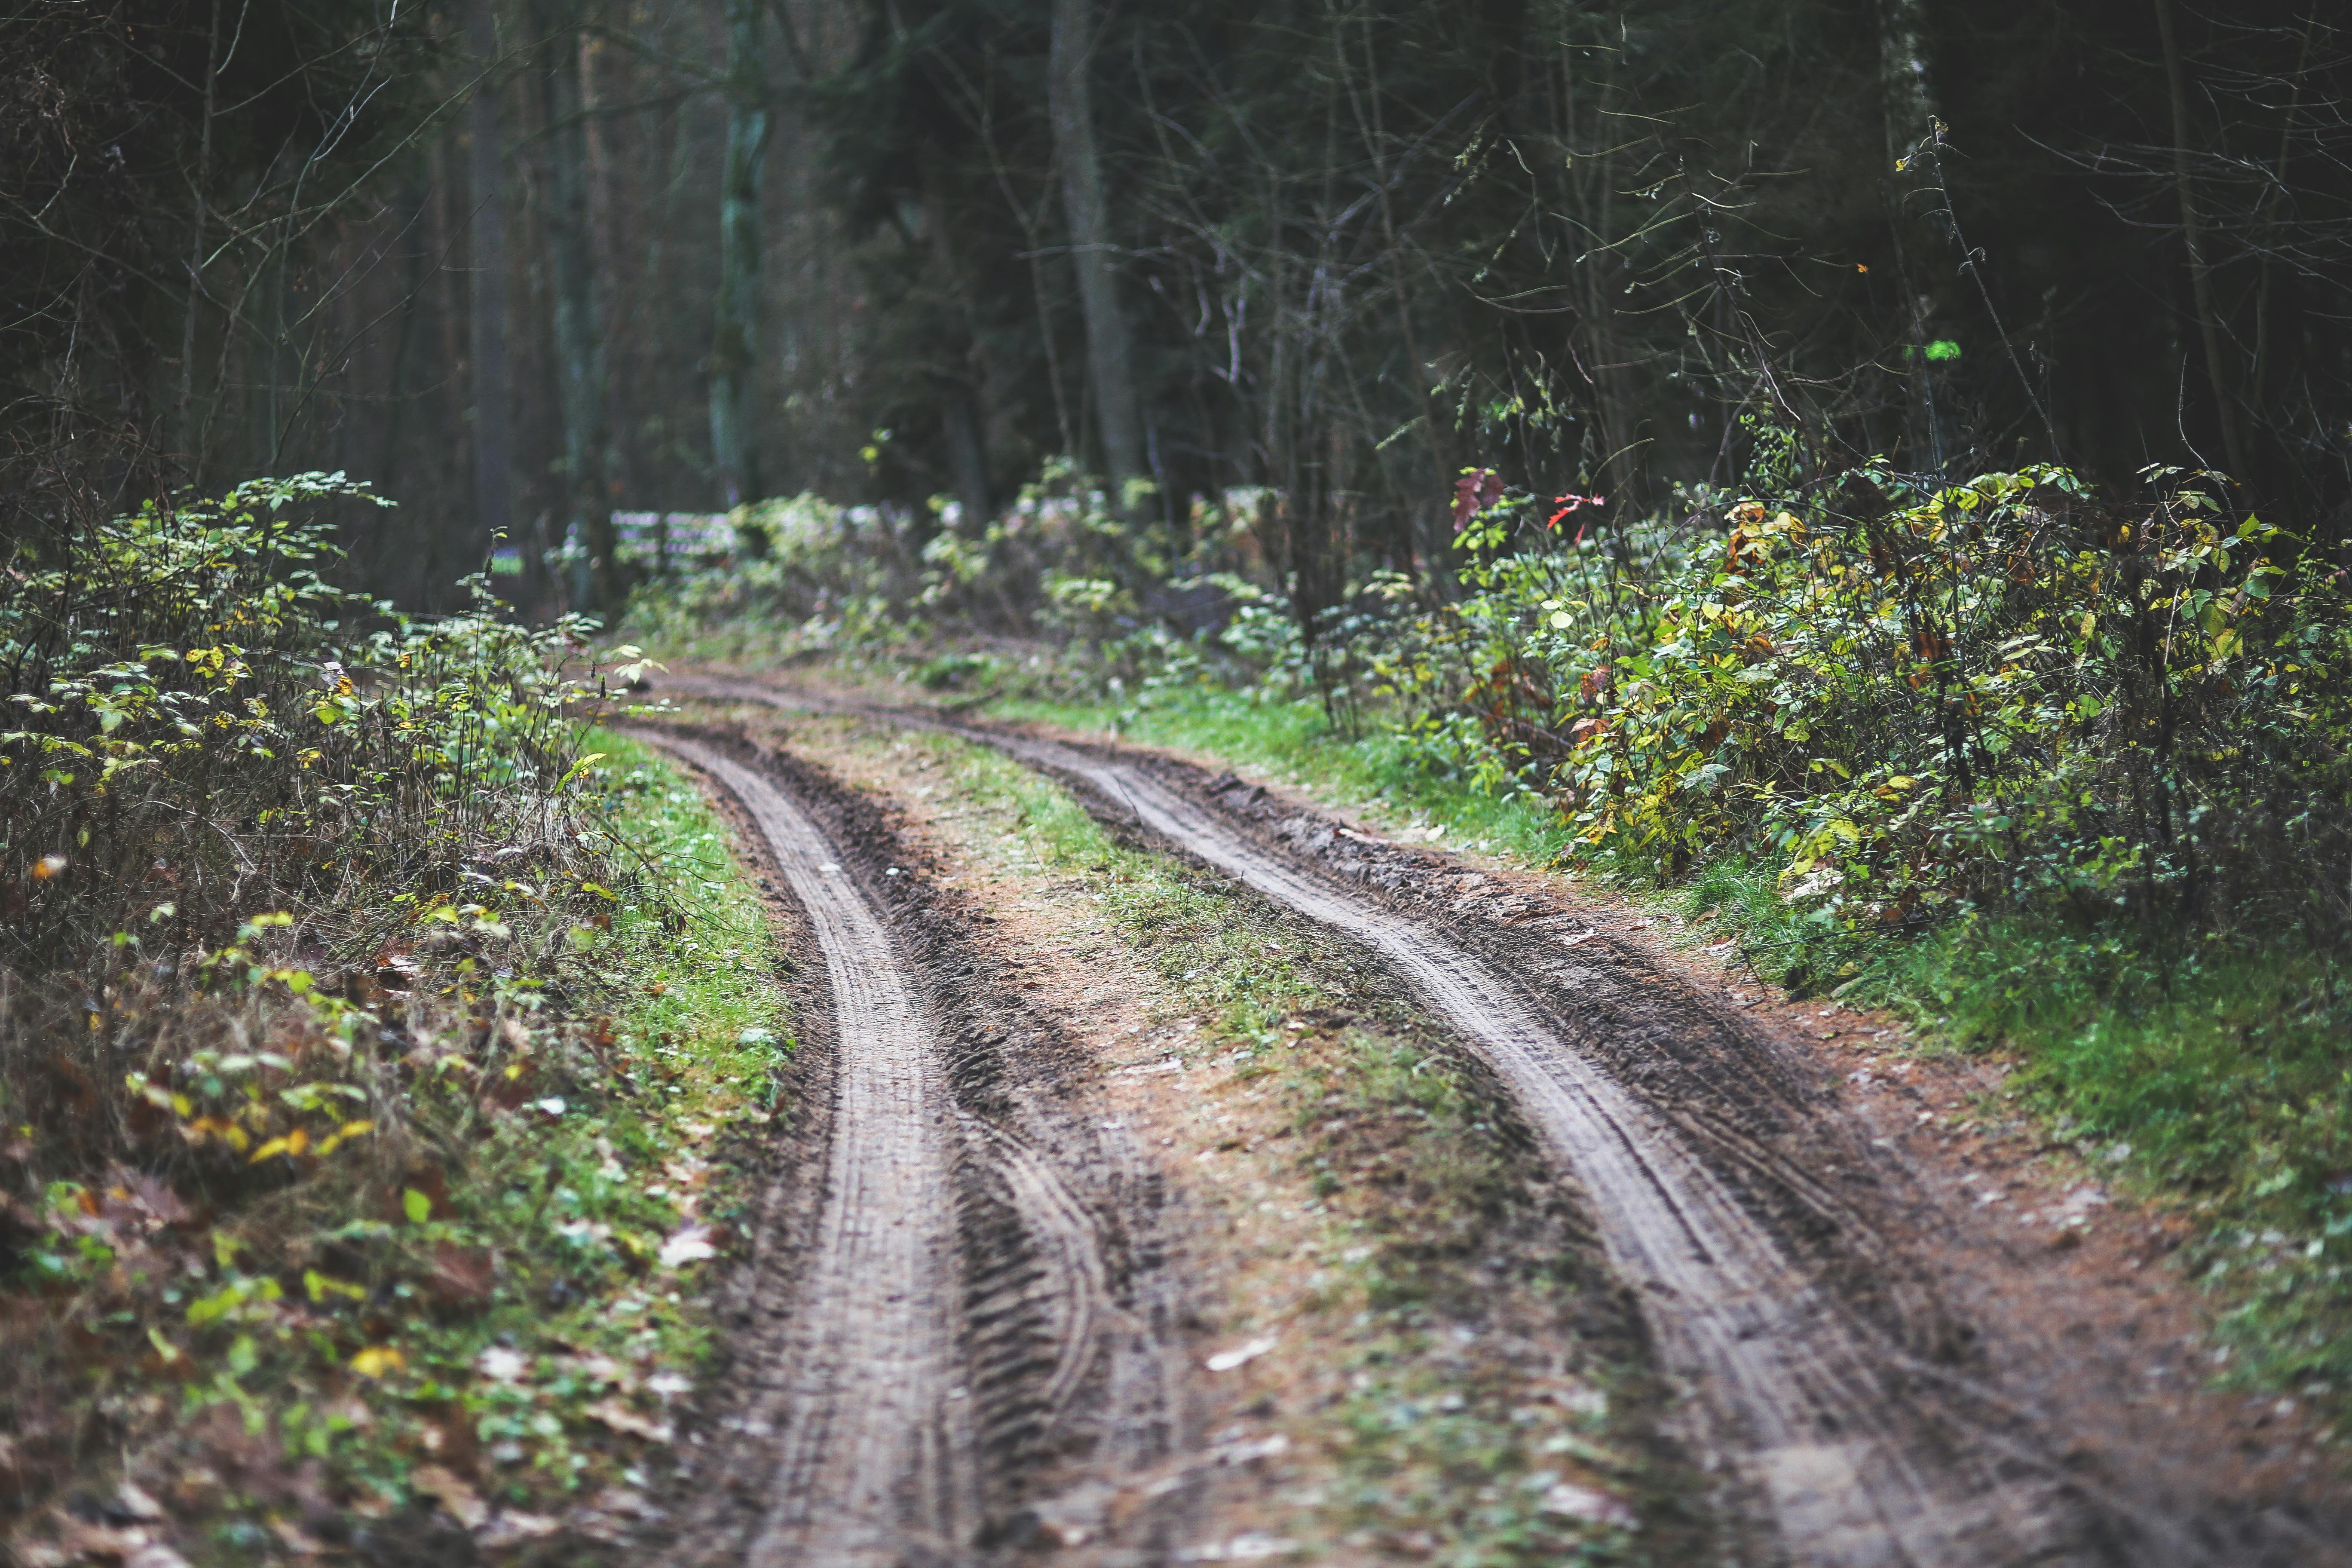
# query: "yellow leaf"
[[269, 1151], [328, 1144], [377, 1360]]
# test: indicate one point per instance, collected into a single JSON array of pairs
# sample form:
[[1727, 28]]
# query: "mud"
[[975, 1308], [1776, 1244], [1786, 1259], [1387, 1259]]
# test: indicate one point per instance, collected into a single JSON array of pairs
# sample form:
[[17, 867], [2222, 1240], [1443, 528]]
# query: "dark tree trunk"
[[579, 340], [487, 291], [1110, 351], [735, 341]]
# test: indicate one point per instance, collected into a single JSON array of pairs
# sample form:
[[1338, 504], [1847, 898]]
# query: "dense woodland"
[[519, 265]]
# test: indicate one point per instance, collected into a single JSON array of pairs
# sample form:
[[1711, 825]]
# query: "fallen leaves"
[[453, 1492], [513, 1527], [612, 1413], [500, 1364], [132, 1546], [689, 1244], [463, 1278], [1566, 1500]]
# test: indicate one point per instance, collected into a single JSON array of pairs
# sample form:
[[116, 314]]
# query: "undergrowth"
[[2060, 771], [363, 1062]]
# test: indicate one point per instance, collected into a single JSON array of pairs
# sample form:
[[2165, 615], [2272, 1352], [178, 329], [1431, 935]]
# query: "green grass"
[[2211, 1078], [583, 1206], [1425, 780]]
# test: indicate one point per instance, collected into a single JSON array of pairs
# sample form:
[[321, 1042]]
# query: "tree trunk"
[[2200, 276], [1109, 349], [486, 290], [1910, 111], [203, 183], [958, 402], [735, 340], [579, 342]]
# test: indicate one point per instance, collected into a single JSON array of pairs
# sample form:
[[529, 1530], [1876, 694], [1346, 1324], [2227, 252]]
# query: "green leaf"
[[416, 1206]]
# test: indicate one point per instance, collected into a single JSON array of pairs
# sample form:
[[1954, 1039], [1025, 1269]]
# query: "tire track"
[[984, 1291], [874, 1432], [1798, 1388]]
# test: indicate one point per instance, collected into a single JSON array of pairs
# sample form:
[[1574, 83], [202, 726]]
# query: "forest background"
[[521, 265]]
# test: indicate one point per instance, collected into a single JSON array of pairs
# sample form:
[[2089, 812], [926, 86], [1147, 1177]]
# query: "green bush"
[[200, 726], [1909, 698], [354, 1026]]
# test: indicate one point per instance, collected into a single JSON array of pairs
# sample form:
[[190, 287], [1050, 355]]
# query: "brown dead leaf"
[[453, 1442], [292, 1536], [105, 1542], [453, 1492], [462, 1277], [135, 1503], [154, 1197], [513, 1527]]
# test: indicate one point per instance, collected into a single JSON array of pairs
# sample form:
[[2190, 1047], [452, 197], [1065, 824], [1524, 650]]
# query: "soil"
[[1295, 1197], [1884, 1367], [969, 1312]]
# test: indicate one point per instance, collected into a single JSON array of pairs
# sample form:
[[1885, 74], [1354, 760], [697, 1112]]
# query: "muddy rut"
[[1853, 1422], [965, 1313], [874, 1436]]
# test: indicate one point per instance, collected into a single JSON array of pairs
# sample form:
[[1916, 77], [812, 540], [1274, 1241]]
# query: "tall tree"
[[2201, 273], [1110, 346], [1915, 211], [577, 317], [487, 291], [735, 341]]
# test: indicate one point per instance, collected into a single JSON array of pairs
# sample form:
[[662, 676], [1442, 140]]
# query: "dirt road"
[[1854, 1418], [952, 1319]]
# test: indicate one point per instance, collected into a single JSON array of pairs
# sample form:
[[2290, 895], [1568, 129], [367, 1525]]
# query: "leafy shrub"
[[1910, 696], [305, 901], [202, 726]]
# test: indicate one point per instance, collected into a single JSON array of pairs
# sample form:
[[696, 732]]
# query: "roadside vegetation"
[[2041, 769], [364, 1066]]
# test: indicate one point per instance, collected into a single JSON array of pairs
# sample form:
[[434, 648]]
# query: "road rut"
[[1856, 1418], [874, 1430], [1797, 1386], [965, 1294]]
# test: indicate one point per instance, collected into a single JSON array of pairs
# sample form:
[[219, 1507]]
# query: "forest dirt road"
[[951, 1317], [1853, 1414]]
